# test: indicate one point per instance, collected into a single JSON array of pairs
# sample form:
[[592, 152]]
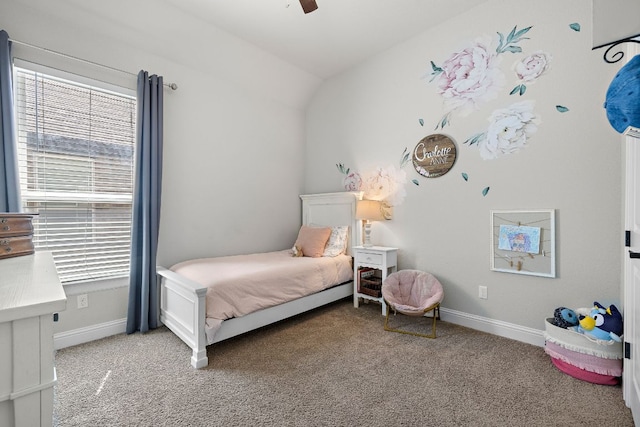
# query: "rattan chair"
[[413, 293]]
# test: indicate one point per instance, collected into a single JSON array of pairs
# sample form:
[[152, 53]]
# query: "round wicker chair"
[[413, 293]]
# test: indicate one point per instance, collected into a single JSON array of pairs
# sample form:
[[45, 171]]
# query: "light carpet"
[[334, 366]]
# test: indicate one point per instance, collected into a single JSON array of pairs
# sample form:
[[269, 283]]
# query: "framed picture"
[[524, 242]]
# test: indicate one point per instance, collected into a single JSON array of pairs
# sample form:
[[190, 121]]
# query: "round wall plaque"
[[434, 155]]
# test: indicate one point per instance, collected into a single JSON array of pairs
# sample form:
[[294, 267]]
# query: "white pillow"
[[337, 243]]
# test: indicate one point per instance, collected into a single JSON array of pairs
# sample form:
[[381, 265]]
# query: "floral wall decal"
[[472, 76], [508, 132], [530, 69], [467, 79], [352, 181], [575, 26], [386, 184]]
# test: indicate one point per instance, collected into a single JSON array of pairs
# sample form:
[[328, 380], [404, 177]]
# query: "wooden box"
[[16, 234], [369, 283]]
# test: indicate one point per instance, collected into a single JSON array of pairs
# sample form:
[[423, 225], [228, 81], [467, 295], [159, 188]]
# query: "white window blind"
[[76, 152]]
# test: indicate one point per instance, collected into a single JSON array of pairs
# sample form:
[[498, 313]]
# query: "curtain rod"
[[172, 86]]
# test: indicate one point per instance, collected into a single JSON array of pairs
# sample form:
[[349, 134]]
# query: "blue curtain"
[[143, 293], [9, 178]]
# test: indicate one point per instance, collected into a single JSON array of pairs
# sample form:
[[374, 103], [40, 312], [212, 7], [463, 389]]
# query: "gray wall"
[[234, 130], [369, 115], [243, 138]]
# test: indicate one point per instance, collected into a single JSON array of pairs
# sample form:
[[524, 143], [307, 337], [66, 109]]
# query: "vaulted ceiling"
[[337, 35]]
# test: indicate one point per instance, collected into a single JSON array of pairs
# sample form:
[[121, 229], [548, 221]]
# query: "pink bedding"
[[241, 284]]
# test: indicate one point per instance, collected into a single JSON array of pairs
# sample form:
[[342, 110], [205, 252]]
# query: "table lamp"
[[367, 211]]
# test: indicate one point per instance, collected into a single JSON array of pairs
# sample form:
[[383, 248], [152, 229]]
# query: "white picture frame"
[[524, 242]]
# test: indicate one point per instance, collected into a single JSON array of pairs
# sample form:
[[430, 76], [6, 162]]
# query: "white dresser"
[[30, 292]]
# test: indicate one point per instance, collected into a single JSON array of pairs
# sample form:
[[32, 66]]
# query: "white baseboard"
[[484, 324], [89, 333], [495, 327]]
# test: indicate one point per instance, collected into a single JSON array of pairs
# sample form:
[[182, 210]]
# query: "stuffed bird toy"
[[602, 323]]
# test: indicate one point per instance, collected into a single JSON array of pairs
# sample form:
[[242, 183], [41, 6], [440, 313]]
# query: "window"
[[76, 152]]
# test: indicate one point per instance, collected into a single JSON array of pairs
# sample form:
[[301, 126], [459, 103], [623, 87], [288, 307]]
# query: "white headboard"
[[331, 209]]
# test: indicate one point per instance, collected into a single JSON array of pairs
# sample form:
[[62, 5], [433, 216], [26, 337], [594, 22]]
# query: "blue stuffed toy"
[[564, 317], [602, 323]]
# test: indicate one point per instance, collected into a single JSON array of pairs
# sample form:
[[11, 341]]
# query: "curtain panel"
[[143, 293], [9, 175]]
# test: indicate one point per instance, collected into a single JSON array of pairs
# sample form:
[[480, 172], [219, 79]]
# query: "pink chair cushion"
[[412, 291]]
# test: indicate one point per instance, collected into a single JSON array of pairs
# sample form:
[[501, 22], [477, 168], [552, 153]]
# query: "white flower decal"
[[508, 131], [385, 184]]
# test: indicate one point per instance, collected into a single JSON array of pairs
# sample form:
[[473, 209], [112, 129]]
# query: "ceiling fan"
[[308, 5]]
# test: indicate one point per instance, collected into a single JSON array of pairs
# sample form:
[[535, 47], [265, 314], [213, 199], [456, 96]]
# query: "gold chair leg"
[[436, 315]]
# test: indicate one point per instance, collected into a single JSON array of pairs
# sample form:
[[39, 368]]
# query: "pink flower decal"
[[470, 77], [529, 69], [533, 66], [352, 182]]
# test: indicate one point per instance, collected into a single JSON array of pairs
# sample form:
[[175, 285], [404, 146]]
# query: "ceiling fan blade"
[[308, 5]]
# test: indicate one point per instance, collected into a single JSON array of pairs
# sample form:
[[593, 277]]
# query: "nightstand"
[[371, 265]]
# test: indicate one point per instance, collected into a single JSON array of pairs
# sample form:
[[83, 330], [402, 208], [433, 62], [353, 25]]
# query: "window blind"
[[76, 152]]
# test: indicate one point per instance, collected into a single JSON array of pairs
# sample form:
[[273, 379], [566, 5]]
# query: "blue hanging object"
[[623, 97]]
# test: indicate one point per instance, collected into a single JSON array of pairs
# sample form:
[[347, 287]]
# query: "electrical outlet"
[[482, 292], [83, 301]]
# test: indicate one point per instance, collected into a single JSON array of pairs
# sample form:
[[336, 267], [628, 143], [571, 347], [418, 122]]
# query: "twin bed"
[[209, 300]]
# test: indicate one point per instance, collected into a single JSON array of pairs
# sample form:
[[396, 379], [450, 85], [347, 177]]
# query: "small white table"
[[380, 258]]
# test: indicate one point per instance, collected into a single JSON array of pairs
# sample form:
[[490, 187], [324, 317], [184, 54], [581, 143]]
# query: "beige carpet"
[[334, 366]]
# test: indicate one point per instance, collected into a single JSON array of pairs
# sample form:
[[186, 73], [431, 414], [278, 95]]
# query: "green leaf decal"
[[415, 181], [406, 156], [443, 122], [520, 33], [508, 44], [562, 108], [342, 169], [575, 26], [523, 89], [436, 71], [475, 139], [465, 176], [485, 191], [421, 121]]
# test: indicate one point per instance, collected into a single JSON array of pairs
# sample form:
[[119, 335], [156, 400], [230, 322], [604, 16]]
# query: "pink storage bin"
[[585, 375], [595, 361]]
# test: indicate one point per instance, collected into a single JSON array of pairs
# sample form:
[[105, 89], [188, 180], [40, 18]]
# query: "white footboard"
[[182, 309]]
